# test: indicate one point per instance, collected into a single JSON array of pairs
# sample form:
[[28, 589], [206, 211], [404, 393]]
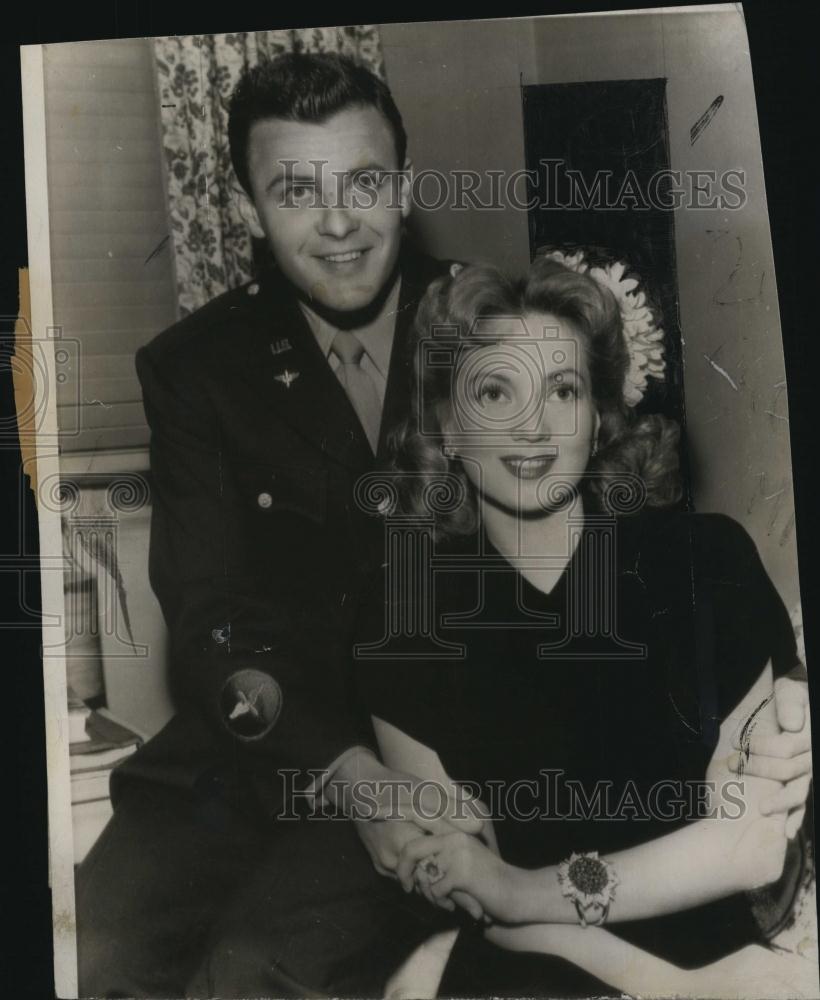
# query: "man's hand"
[[785, 758], [791, 696], [385, 840], [368, 790]]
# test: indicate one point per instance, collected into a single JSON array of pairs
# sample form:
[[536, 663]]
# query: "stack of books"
[[98, 742]]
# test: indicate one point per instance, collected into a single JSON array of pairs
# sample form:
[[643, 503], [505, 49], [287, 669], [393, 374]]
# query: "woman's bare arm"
[[752, 972], [706, 860], [738, 849]]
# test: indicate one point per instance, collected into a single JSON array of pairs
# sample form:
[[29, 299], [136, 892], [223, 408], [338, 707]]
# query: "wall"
[[735, 394], [457, 85], [112, 292]]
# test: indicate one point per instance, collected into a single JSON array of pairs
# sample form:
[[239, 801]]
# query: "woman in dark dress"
[[590, 657]]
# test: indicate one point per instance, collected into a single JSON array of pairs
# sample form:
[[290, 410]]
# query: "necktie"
[[358, 385]]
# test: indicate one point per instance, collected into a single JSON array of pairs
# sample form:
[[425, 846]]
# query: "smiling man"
[[265, 407], [329, 199]]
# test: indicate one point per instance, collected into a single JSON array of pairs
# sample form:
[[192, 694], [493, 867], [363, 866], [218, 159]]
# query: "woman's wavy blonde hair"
[[645, 446]]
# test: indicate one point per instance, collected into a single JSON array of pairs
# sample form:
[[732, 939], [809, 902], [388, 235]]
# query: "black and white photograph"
[[406, 412]]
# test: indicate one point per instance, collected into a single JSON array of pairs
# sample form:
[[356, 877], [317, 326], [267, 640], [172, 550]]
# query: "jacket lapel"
[[283, 364], [286, 367], [418, 271]]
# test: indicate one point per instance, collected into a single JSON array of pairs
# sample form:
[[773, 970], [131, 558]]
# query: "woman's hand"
[[462, 864]]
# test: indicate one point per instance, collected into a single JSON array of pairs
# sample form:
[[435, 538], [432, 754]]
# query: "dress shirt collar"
[[375, 337]]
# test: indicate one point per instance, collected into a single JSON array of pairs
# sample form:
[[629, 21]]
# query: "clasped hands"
[[436, 841], [394, 810]]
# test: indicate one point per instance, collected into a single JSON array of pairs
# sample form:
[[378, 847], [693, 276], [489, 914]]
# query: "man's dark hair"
[[305, 87]]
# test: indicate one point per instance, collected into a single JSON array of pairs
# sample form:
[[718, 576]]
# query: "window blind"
[[112, 276]]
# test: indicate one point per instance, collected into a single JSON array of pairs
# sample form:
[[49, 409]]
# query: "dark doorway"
[[600, 151]]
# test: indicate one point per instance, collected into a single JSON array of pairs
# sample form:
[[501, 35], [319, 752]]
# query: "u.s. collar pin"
[[287, 378], [280, 346]]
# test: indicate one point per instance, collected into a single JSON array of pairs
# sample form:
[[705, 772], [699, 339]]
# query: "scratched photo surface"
[[413, 474]]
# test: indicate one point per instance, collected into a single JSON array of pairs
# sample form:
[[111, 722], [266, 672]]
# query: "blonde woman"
[[595, 655]]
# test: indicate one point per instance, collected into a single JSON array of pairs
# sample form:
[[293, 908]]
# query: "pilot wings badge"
[[287, 378], [246, 704]]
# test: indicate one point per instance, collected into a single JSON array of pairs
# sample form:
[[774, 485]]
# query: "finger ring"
[[428, 872]]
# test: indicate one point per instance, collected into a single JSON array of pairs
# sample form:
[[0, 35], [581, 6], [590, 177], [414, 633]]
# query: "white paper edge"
[[60, 832]]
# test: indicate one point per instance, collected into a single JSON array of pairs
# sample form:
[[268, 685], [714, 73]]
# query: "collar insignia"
[[287, 378], [280, 346]]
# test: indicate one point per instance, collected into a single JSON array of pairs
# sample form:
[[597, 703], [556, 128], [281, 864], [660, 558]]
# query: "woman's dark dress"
[[695, 620]]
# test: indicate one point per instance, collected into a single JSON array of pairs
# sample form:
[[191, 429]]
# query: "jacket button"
[[253, 288], [264, 500]]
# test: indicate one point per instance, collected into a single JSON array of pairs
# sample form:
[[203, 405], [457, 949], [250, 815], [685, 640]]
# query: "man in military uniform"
[[266, 406]]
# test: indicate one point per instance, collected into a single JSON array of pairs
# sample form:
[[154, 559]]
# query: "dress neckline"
[[538, 596]]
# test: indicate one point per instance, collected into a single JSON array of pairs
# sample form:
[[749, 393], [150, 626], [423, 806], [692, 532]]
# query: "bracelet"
[[589, 882]]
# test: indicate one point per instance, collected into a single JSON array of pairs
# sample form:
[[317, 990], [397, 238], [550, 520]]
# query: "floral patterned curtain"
[[196, 76]]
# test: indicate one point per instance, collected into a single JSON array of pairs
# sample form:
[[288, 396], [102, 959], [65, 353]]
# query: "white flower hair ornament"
[[644, 340]]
